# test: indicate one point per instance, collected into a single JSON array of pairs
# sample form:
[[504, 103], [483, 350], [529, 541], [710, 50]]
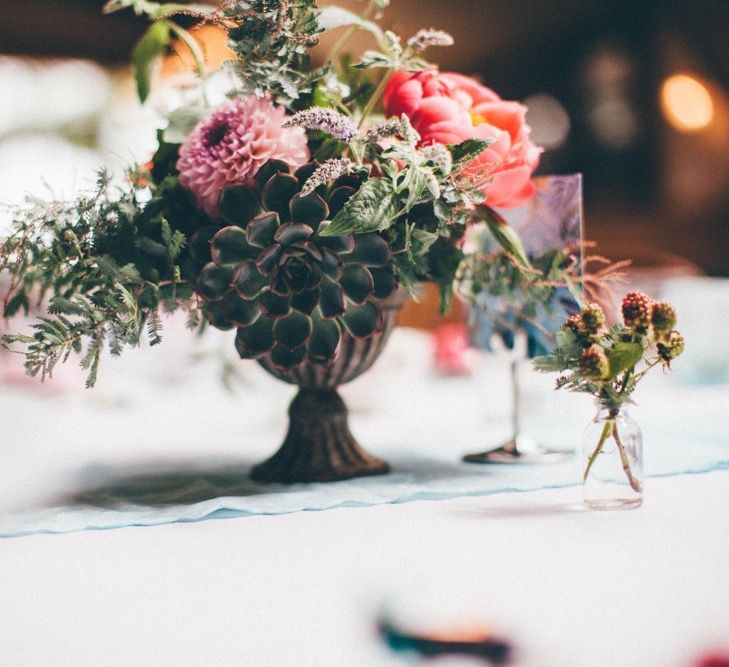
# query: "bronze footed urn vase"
[[313, 309]]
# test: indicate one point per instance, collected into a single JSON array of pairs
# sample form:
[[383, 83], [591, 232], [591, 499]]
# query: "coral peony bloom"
[[229, 147], [449, 108]]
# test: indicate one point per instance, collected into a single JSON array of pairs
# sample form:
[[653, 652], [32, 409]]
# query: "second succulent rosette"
[[290, 292]]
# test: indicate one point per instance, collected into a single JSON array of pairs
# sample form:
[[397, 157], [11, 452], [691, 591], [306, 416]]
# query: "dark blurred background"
[[632, 93]]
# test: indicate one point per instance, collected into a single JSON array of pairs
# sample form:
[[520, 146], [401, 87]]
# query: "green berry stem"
[[375, 97], [634, 483], [607, 429], [648, 366], [626, 380]]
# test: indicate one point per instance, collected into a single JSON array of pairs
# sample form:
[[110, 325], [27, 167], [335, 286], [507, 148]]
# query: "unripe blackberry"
[[637, 310], [672, 347], [574, 324], [594, 364], [663, 319], [592, 317]]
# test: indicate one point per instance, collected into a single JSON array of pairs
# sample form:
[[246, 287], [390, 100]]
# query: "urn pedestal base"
[[319, 446]]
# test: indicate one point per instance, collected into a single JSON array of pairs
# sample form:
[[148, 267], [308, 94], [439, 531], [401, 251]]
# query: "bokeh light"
[[548, 119], [686, 103]]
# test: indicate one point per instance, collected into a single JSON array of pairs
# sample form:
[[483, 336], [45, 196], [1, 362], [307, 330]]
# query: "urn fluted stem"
[[319, 446]]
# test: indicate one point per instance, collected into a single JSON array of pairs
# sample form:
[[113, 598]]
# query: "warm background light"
[[686, 103], [214, 43]]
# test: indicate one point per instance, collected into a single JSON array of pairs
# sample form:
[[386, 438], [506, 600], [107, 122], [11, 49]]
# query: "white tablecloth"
[[645, 588]]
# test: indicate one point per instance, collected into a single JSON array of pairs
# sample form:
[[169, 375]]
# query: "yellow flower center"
[[477, 118]]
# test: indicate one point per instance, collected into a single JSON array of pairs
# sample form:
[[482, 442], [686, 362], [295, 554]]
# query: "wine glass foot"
[[521, 449]]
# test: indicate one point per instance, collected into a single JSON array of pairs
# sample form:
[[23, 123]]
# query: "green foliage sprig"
[[420, 200], [527, 294], [110, 269], [271, 39]]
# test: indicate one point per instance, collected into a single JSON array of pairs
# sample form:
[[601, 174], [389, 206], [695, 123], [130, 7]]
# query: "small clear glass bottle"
[[612, 469]]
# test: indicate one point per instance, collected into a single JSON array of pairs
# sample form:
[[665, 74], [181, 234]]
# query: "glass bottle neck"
[[604, 413]]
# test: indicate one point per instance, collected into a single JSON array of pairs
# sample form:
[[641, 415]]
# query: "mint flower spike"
[[336, 124], [327, 171], [388, 128], [424, 39], [440, 156], [407, 131]]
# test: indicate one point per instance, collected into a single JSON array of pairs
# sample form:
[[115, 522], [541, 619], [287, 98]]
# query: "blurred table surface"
[[568, 587]]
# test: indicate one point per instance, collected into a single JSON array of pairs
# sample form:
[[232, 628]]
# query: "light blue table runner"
[[162, 445], [221, 490]]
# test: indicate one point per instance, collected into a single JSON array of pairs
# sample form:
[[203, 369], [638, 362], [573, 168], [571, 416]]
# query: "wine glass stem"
[[515, 398]]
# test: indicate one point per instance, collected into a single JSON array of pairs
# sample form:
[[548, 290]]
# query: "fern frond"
[[549, 364], [154, 328]]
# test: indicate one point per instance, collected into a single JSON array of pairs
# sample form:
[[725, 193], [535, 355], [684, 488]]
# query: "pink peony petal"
[[443, 136], [508, 116], [500, 139], [476, 91], [533, 155], [450, 107], [510, 188], [402, 95], [434, 86], [438, 109]]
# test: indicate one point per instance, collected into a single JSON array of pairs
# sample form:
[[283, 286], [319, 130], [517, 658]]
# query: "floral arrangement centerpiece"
[[293, 213], [608, 363]]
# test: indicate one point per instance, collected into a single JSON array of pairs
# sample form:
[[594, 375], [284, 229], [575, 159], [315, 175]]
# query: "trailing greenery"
[[271, 39], [109, 266]]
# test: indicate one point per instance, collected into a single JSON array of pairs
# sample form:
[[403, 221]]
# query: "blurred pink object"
[[714, 659], [451, 343]]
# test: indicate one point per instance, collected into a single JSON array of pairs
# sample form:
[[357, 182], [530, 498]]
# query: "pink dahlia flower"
[[230, 145]]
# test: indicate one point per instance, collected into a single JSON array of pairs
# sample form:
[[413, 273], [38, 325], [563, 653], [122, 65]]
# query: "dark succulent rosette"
[[290, 292]]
